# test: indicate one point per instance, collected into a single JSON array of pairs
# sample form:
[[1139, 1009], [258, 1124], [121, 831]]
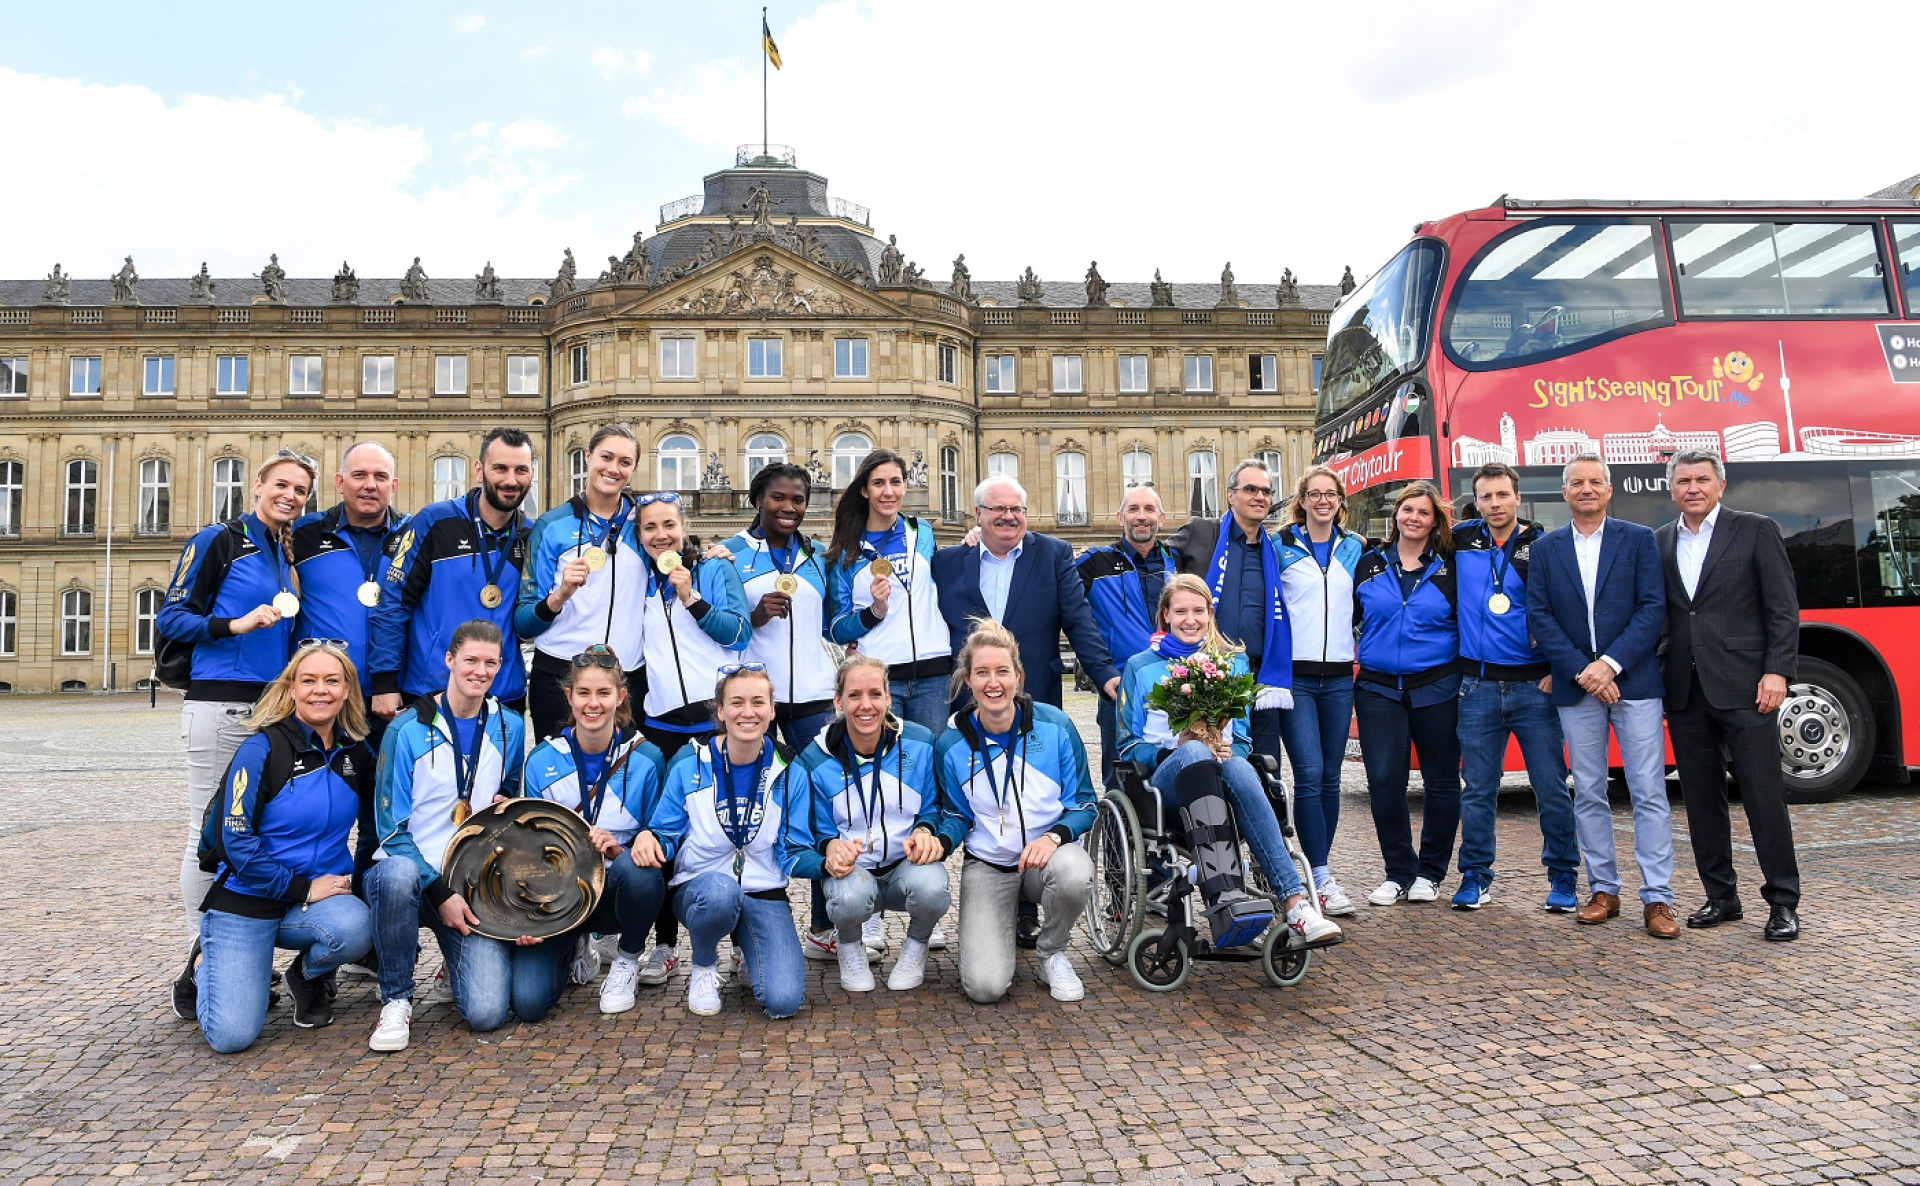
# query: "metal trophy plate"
[[526, 868]]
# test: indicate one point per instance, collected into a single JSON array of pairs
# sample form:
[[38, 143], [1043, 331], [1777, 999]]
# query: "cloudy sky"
[[1144, 135]]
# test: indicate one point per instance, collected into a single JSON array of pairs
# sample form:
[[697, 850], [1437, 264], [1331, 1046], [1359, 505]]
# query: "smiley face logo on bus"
[[1737, 368]]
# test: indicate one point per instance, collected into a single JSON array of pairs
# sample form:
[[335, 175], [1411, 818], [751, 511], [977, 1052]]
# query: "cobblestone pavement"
[[1433, 1047]]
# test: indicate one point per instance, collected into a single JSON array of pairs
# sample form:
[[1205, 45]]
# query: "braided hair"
[[773, 472], [284, 536]]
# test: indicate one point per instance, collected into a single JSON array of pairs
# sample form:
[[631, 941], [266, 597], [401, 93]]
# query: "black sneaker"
[[309, 997], [1027, 932], [186, 990]]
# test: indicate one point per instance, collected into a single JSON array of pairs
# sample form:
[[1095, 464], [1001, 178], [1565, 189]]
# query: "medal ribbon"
[[986, 762], [280, 562], [741, 822], [486, 539], [873, 803], [466, 768], [1500, 572], [591, 799], [609, 541]]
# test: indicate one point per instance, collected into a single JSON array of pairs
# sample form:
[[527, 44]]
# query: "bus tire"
[[1826, 733]]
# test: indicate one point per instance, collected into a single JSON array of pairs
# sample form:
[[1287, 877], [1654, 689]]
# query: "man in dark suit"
[[1596, 602], [1733, 635]]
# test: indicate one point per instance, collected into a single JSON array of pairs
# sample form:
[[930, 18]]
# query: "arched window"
[[156, 496], [1070, 489], [849, 450], [679, 463], [76, 622], [146, 610], [764, 449], [1203, 486], [449, 478], [229, 488], [576, 471], [950, 483], [1271, 459], [1136, 469], [83, 483], [1003, 465]]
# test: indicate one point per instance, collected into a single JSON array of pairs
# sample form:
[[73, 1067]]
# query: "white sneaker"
[[935, 941], [1060, 978], [1334, 901], [616, 992], [395, 1028], [820, 945], [658, 967], [1388, 893], [855, 976], [357, 971], [608, 947], [703, 991], [586, 961], [911, 968], [1423, 891], [873, 934], [1309, 928], [440, 991]]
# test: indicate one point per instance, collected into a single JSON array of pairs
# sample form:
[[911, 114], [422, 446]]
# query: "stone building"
[[761, 320]]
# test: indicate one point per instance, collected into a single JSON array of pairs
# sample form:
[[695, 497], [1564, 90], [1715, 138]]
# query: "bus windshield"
[[1382, 330]]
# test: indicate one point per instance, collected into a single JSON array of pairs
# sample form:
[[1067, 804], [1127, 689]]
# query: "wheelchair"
[[1131, 834]]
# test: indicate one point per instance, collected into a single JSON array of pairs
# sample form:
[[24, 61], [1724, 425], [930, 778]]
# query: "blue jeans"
[[922, 701], [1250, 808], [236, 961], [1386, 726], [920, 890], [1263, 731], [712, 906], [1108, 716], [1489, 710], [1636, 726], [1315, 730], [632, 899], [480, 969]]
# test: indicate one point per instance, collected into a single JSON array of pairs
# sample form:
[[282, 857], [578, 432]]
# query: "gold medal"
[[881, 567], [287, 604], [490, 596], [666, 562], [785, 584], [369, 593], [596, 557], [1499, 603], [460, 812]]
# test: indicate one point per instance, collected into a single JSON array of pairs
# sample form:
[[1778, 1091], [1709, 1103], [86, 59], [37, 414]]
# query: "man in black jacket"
[[1733, 631]]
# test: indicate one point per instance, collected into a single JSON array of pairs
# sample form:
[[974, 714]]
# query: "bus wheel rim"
[[1815, 735]]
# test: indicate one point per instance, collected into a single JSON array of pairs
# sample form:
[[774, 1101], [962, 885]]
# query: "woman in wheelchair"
[[1185, 619]]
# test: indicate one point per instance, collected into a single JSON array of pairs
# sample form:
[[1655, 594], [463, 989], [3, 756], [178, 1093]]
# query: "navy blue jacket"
[[1124, 590], [1044, 597], [331, 573], [301, 834], [1496, 646], [1630, 608], [1405, 641], [227, 571]]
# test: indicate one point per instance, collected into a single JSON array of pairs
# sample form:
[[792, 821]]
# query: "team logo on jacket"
[[395, 571], [239, 790], [1036, 744], [1522, 552], [346, 766]]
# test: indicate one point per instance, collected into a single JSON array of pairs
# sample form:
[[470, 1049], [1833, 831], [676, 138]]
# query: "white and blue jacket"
[[794, 648], [626, 799], [605, 610], [1041, 786], [688, 827], [419, 783], [1319, 600], [227, 571], [877, 800], [912, 639], [274, 851], [1123, 589], [1145, 735], [685, 646], [328, 554], [1496, 646]]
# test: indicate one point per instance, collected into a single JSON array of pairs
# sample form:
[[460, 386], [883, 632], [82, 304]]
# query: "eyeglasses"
[[663, 496], [1003, 510], [1321, 496], [597, 655], [294, 455], [1261, 491], [308, 644], [728, 669]]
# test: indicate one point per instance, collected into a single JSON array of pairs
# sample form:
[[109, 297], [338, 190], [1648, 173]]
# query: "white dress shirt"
[[996, 576], [1586, 550], [1690, 549]]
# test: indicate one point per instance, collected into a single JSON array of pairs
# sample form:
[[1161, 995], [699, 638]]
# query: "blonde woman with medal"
[[443, 756], [734, 819], [584, 579], [693, 622], [233, 600]]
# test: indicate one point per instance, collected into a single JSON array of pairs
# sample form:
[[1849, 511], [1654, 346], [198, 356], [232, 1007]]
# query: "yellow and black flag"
[[766, 42]]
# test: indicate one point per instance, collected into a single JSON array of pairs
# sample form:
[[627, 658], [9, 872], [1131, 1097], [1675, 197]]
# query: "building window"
[[13, 376], [1066, 373], [146, 610], [85, 374], [1000, 374], [449, 478], [849, 450], [523, 374], [676, 358], [303, 374], [576, 471], [679, 459], [76, 622], [159, 375], [1203, 486], [949, 364], [1271, 459], [1133, 373], [1070, 488], [229, 486], [1136, 469], [530, 505], [83, 481], [849, 358], [1199, 372], [376, 374], [9, 622], [764, 449], [1316, 374], [156, 480], [1263, 372], [230, 374], [577, 370], [449, 374], [763, 358], [950, 481], [13, 487], [1003, 465]]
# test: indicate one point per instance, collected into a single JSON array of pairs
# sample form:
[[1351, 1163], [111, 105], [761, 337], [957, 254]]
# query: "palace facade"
[[762, 320]]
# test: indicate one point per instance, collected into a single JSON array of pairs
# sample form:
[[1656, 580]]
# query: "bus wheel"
[[1826, 734]]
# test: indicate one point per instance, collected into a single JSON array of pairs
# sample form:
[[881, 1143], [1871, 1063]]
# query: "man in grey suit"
[[1733, 635]]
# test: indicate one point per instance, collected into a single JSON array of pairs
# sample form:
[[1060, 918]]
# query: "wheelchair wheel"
[[1119, 904], [1152, 970], [1284, 966]]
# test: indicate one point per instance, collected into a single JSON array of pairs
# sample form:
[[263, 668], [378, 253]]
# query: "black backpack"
[[172, 658], [273, 775]]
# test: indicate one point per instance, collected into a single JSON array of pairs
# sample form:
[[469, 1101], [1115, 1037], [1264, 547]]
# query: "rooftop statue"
[[201, 287], [59, 289], [346, 285], [562, 284], [123, 282], [890, 263], [962, 286], [1161, 291], [413, 286], [486, 286], [1028, 287], [273, 280], [1289, 291], [1096, 287], [1347, 282], [634, 268], [1229, 295]]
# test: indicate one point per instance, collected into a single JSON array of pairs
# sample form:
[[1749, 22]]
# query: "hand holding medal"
[[882, 572], [679, 578], [573, 574]]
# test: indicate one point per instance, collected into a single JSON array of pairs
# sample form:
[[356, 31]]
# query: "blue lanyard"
[[610, 539], [873, 802], [1500, 553], [590, 799], [493, 560], [740, 822], [986, 763], [466, 768]]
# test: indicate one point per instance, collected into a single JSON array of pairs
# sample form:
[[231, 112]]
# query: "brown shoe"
[[1660, 921], [1598, 909]]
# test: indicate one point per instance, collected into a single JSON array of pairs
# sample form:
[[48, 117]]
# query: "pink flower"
[[1186, 689], [1177, 670]]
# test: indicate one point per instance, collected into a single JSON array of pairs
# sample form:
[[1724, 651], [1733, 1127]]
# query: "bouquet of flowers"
[[1200, 693]]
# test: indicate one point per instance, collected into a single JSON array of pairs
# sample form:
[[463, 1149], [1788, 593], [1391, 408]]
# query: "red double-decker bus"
[[1783, 336]]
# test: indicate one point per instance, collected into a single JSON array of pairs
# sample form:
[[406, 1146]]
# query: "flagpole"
[[763, 82]]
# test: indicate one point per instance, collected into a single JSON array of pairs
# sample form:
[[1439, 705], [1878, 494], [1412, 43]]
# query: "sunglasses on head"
[[294, 455], [737, 668], [308, 644], [597, 655], [663, 496]]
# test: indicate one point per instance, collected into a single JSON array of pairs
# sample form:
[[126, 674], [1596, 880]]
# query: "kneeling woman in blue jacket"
[[602, 768], [1186, 627], [279, 837], [732, 819]]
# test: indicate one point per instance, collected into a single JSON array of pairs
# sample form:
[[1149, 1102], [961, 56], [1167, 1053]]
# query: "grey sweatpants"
[[213, 730], [990, 903]]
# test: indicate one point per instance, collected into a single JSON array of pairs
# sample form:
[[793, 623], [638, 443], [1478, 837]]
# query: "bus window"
[[1552, 288], [1766, 269], [1890, 559], [1381, 330], [1906, 241]]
